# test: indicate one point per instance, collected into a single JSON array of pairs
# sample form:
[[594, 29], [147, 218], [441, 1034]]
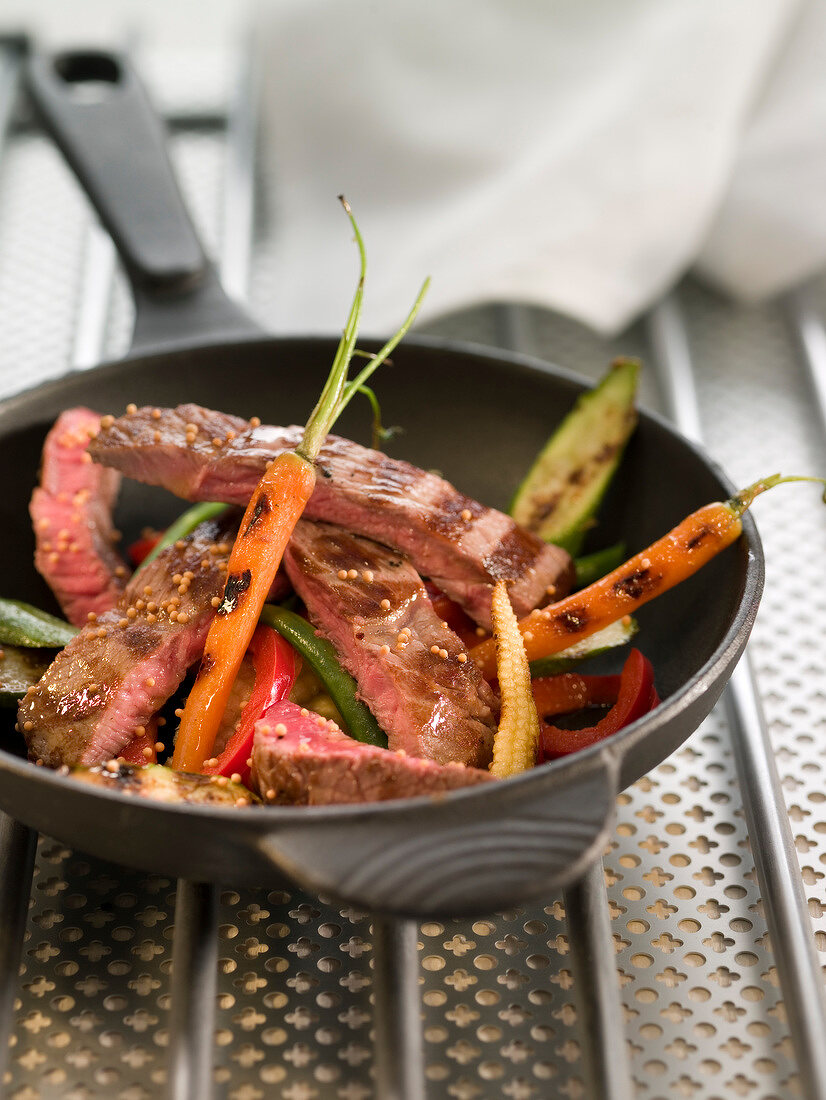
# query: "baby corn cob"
[[515, 742]]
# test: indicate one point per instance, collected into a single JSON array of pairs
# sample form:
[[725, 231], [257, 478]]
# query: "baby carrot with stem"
[[273, 511], [673, 558]]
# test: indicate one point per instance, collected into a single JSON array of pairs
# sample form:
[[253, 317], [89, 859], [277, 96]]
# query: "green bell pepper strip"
[[20, 669], [590, 567], [320, 655], [22, 624]]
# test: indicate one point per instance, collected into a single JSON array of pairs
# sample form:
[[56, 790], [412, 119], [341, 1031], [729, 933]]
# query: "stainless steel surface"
[[806, 314], [194, 980], [668, 335], [596, 987], [17, 846], [239, 176], [12, 52], [702, 1009], [399, 1064], [93, 307], [775, 860]]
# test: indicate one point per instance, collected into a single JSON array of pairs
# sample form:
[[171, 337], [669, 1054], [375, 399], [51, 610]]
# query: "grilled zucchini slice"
[[564, 487]]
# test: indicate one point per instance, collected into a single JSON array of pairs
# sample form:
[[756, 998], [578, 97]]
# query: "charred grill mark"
[[358, 602], [262, 508], [453, 514], [323, 470], [124, 776], [544, 508], [386, 473], [574, 620], [512, 556], [342, 562], [206, 666], [635, 584], [700, 537], [580, 475], [606, 453], [140, 639], [236, 586], [119, 777]]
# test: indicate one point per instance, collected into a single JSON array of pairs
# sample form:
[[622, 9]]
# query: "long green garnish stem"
[[379, 433], [338, 392], [742, 500], [381, 355], [325, 412]]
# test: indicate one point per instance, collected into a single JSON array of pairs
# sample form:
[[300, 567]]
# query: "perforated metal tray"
[[703, 1015]]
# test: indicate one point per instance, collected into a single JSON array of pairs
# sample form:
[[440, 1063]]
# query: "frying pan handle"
[[95, 107], [459, 857]]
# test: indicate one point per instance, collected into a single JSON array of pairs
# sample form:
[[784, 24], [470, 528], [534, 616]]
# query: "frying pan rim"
[[552, 773]]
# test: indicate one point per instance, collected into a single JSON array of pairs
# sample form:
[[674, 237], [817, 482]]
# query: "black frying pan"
[[477, 416]]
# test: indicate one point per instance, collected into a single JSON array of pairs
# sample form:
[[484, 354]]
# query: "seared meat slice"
[[412, 670], [72, 517], [460, 544], [300, 759], [176, 447], [104, 687]]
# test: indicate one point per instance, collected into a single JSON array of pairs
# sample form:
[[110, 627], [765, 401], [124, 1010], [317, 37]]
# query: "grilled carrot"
[[268, 522], [516, 739], [673, 558], [275, 507]]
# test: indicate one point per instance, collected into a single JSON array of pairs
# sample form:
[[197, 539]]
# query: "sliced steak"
[[301, 759], [463, 546], [105, 686], [72, 516], [412, 670]]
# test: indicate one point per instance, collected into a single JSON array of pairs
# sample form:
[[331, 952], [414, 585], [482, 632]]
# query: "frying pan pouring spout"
[[478, 416]]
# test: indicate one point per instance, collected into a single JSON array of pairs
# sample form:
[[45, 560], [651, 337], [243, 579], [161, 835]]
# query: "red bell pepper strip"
[[276, 666], [143, 546], [568, 691], [632, 693]]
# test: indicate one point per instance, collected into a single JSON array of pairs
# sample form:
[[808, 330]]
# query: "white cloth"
[[580, 156]]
